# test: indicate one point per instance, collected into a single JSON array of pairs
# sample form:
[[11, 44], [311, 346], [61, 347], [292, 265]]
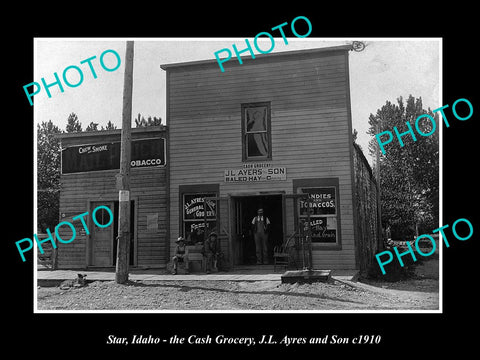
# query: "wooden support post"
[[204, 219], [307, 255], [123, 180], [309, 235]]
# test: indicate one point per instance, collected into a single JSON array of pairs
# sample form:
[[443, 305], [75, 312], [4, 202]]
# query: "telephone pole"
[[123, 178]]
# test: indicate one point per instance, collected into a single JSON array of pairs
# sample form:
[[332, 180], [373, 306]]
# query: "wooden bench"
[[194, 253]]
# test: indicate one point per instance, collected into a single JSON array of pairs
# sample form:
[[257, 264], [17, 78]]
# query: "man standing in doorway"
[[260, 226]]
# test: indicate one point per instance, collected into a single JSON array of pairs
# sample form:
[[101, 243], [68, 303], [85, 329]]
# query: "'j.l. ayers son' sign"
[[106, 156], [256, 174]]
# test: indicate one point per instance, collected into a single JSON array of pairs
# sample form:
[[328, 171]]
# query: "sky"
[[386, 69]]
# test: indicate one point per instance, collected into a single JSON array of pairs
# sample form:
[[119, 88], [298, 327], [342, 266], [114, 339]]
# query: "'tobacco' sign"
[[106, 156]]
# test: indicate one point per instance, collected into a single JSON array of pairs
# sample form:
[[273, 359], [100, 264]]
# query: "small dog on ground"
[[79, 281]]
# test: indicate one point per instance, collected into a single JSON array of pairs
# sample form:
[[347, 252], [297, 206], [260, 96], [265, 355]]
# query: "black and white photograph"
[[253, 183], [291, 181]]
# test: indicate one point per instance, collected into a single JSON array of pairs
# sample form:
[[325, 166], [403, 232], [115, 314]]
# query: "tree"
[[409, 174], [48, 175], [110, 126], [141, 122], [355, 137], [92, 127], [73, 124]]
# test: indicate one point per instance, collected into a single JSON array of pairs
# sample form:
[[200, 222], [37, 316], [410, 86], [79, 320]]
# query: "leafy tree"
[[73, 124], [409, 174], [48, 175]]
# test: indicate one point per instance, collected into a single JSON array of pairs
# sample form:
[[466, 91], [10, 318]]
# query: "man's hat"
[[260, 210], [181, 238], [213, 233]]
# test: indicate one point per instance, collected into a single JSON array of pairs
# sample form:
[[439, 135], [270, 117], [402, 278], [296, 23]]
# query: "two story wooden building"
[[257, 135]]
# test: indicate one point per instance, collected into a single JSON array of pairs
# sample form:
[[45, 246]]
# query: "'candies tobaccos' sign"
[[106, 156]]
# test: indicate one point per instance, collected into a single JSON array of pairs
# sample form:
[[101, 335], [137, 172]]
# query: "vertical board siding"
[[309, 128], [368, 236]]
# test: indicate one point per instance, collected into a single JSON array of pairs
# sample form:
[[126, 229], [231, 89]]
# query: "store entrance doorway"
[[245, 210]]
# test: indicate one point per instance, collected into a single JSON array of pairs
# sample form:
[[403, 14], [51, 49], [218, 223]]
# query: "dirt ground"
[[418, 293]]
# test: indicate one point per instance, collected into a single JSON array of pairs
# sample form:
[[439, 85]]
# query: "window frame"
[[298, 185], [212, 189], [268, 131]]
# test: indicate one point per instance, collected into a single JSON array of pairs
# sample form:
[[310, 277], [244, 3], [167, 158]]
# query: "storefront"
[[273, 133], [89, 165], [258, 136]]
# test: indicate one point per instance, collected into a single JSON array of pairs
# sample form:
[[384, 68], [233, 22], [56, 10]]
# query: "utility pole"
[[123, 178]]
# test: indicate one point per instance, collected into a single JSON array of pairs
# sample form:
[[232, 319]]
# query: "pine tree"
[[110, 126], [73, 124], [141, 122], [92, 127]]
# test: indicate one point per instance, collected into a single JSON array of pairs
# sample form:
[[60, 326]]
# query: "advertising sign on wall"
[[323, 213], [106, 156], [255, 174]]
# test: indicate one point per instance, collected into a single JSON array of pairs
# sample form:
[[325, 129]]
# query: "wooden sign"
[[256, 174], [106, 156]]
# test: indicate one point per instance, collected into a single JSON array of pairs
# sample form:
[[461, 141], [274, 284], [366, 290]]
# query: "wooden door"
[[238, 235], [102, 238]]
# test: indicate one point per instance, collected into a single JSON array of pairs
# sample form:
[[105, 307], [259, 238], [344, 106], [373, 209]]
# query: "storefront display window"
[[194, 216], [322, 203]]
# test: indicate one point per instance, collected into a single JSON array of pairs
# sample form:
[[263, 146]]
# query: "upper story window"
[[256, 131]]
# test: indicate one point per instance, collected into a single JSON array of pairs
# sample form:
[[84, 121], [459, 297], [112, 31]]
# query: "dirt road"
[[419, 293]]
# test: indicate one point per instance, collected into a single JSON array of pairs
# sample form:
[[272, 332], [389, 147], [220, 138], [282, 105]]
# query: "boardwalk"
[[242, 274]]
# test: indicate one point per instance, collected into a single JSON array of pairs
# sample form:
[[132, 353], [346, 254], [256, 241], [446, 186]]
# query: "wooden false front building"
[[259, 135], [274, 133], [90, 164]]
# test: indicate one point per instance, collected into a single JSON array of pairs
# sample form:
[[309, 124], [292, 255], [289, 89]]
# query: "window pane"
[[102, 216], [322, 201], [323, 214], [256, 118], [257, 145], [323, 229], [194, 209], [194, 230]]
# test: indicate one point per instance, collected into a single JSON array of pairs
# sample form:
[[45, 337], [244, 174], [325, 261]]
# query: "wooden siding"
[[368, 236], [310, 131], [147, 188]]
